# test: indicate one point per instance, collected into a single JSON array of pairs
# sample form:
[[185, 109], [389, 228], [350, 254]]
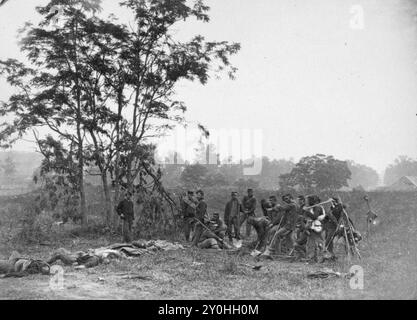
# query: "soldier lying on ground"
[[16, 266], [89, 259]]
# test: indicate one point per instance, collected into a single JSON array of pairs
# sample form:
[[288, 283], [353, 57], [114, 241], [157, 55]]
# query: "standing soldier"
[[188, 207], [231, 216], [315, 235], [284, 225], [201, 216], [249, 207], [126, 213], [330, 222]]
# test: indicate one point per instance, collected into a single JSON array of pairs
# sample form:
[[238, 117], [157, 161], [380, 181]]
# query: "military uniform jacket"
[[201, 211], [228, 214], [249, 204]]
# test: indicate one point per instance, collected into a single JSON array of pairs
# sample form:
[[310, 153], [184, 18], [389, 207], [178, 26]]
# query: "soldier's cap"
[[216, 214], [250, 190], [234, 192], [200, 192], [190, 192]]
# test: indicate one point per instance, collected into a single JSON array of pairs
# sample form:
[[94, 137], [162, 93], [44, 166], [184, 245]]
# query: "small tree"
[[9, 167]]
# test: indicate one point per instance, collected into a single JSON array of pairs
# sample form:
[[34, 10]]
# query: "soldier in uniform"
[[262, 225], [265, 205], [274, 210], [330, 223], [249, 207], [283, 229], [315, 245], [200, 215], [126, 212], [188, 206], [232, 212], [212, 237]]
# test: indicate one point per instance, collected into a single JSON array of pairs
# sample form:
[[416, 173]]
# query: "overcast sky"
[[313, 75]]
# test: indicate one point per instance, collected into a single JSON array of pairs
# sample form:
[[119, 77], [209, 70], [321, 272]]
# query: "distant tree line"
[[313, 173]]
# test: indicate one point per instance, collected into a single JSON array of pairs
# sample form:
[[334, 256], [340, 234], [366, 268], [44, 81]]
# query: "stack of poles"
[[348, 225]]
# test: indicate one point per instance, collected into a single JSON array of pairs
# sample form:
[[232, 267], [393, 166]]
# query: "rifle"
[[318, 204], [205, 227]]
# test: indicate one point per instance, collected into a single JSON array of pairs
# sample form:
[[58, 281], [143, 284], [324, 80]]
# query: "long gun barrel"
[[318, 204]]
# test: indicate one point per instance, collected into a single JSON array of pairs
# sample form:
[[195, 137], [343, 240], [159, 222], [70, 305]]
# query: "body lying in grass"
[[89, 259], [17, 266]]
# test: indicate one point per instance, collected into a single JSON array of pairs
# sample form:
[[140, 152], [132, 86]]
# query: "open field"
[[389, 261]]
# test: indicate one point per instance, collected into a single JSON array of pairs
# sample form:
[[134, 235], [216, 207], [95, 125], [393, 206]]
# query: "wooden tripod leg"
[[347, 245]]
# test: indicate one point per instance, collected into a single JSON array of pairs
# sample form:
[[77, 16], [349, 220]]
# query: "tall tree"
[[106, 88], [51, 90], [154, 63]]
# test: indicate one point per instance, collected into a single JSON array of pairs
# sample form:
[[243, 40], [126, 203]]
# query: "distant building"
[[406, 183]]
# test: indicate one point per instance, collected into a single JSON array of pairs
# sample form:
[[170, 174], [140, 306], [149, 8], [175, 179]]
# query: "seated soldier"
[[300, 240], [221, 226], [209, 239], [213, 236]]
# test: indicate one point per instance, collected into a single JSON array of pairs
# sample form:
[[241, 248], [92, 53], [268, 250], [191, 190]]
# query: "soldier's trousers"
[[127, 230], [277, 235], [233, 223], [330, 236], [188, 227], [248, 226], [299, 240], [315, 246], [198, 230]]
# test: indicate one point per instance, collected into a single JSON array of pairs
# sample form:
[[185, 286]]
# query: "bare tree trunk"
[[117, 160], [83, 206], [107, 199]]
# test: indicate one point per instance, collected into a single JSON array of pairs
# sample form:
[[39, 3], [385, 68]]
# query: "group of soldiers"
[[302, 229]]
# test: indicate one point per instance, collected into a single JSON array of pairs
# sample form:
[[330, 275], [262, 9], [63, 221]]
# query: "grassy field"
[[389, 261]]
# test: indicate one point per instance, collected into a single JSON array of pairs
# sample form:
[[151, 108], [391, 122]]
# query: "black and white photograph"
[[227, 152]]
